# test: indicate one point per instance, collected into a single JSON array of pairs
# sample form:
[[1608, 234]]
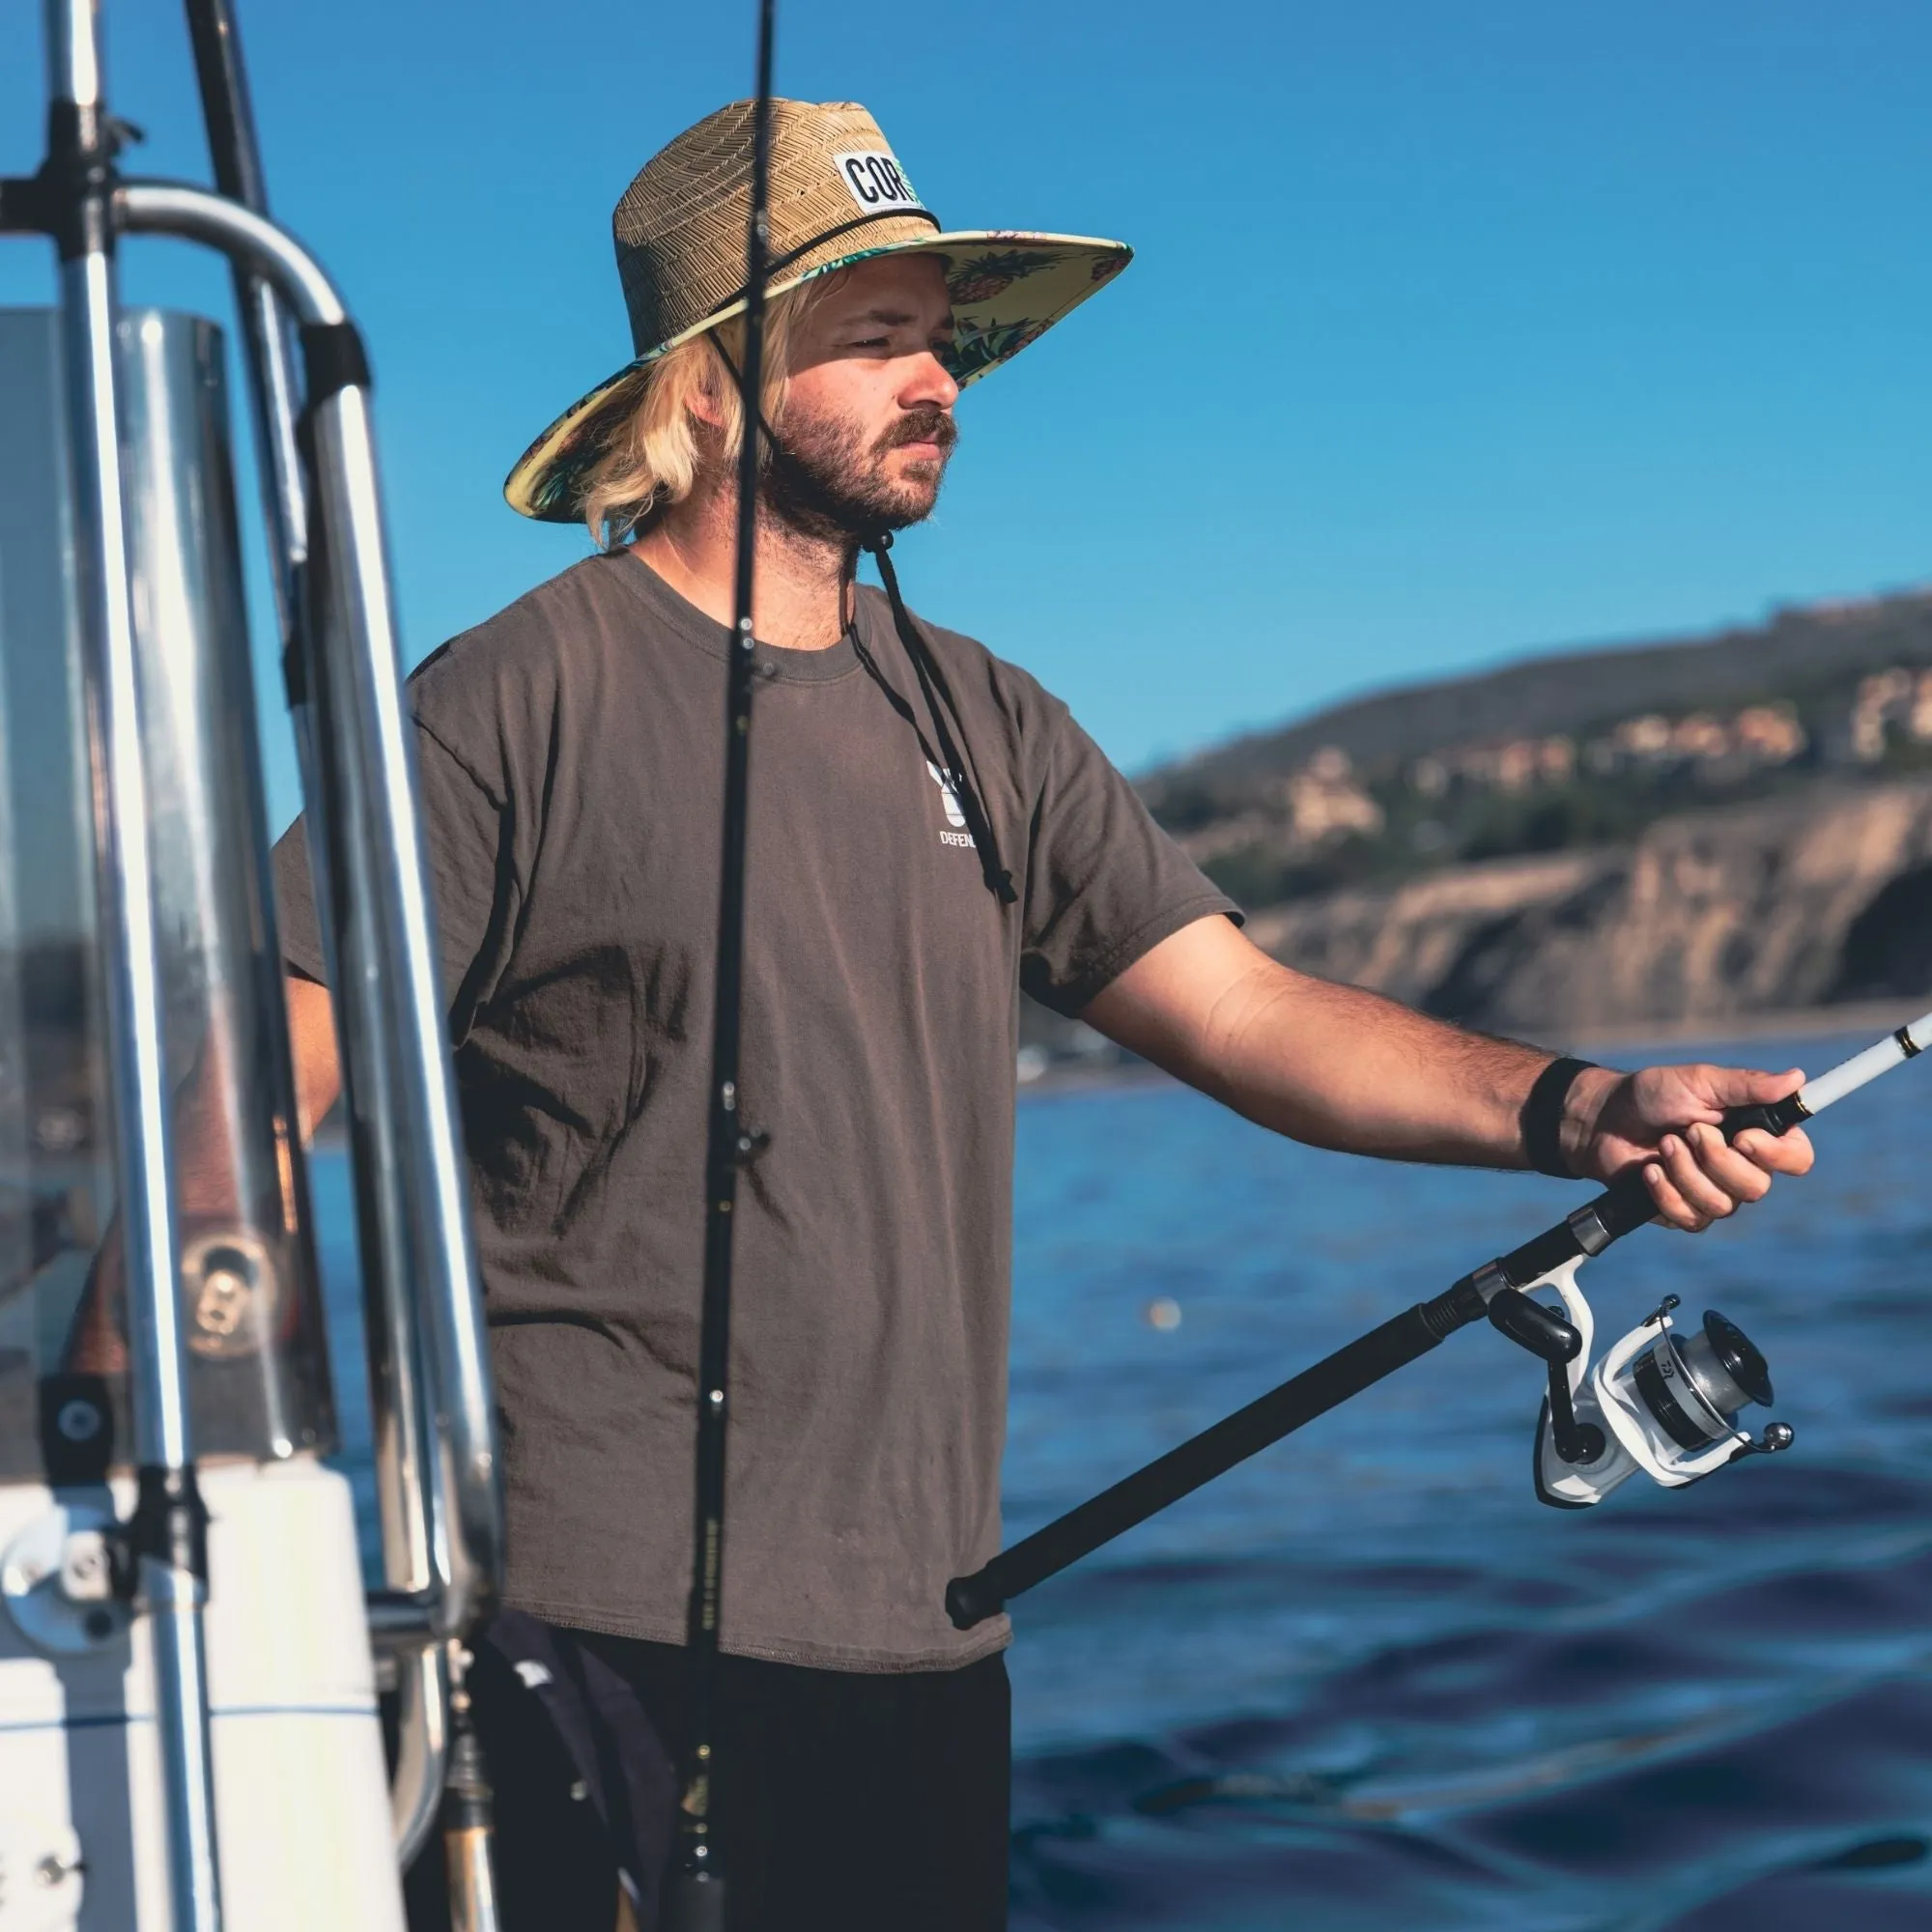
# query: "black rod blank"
[[1347, 1372], [1620, 1210], [697, 1896]]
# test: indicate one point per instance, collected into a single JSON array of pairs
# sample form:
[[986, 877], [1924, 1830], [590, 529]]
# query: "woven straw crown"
[[838, 195], [680, 227]]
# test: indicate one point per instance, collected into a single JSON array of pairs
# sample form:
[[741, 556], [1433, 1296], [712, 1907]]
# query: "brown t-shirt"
[[571, 760]]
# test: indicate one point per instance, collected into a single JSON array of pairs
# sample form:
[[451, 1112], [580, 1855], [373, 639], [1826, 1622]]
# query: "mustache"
[[928, 424]]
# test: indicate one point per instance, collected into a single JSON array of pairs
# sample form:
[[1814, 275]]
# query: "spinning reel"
[[1663, 1400]]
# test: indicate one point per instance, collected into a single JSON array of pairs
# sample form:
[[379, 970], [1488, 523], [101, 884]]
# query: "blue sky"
[[1455, 331]]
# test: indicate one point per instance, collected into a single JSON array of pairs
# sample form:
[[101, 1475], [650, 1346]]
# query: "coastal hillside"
[[1559, 754], [1718, 916], [1661, 834]]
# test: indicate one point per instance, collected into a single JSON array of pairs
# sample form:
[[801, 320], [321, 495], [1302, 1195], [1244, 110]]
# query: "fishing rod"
[[1661, 1400], [697, 1892]]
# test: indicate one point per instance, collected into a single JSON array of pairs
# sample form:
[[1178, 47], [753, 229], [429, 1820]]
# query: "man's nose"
[[928, 385]]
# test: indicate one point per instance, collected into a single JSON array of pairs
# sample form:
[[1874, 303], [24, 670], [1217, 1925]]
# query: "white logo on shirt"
[[953, 814]]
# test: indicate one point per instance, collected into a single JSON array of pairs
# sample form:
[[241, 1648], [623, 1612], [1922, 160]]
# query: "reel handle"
[[1546, 1335], [1530, 1325]]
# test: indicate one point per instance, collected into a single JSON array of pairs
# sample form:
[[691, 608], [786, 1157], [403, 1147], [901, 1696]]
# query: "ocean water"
[[1367, 1683]]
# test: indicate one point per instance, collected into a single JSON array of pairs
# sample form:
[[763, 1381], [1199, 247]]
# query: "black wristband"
[[1541, 1119]]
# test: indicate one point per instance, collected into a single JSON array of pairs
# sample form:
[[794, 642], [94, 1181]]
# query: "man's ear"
[[702, 400]]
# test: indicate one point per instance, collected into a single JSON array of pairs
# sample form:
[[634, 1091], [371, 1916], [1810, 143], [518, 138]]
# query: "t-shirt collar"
[[684, 619]]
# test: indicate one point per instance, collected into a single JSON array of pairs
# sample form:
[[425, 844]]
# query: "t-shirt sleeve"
[[1105, 882], [294, 905], [464, 836]]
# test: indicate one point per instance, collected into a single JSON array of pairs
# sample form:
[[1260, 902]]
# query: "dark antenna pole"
[[236, 156], [698, 1900]]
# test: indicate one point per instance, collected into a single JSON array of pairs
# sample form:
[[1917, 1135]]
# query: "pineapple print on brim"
[[837, 196]]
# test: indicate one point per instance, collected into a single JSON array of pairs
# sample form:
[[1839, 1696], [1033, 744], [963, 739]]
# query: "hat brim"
[[1008, 289]]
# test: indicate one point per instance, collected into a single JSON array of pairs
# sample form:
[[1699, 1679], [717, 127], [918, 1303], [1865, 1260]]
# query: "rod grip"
[[1626, 1205], [696, 1903], [1774, 1117]]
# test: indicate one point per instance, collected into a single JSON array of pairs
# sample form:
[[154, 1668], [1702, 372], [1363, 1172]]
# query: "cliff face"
[[1799, 901]]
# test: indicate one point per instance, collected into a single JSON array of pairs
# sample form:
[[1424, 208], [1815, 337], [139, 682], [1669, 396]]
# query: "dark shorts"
[[846, 1800]]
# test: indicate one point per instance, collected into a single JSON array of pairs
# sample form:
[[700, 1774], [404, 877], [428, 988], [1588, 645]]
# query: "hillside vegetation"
[[1559, 754]]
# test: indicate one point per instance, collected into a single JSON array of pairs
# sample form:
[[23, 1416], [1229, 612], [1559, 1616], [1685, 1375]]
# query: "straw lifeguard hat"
[[838, 195]]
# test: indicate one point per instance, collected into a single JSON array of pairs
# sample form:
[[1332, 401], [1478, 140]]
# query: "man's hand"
[[1667, 1118]]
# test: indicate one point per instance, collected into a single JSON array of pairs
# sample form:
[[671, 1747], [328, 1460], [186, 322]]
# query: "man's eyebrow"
[[894, 318]]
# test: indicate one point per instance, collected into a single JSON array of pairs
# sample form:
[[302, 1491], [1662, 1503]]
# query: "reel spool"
[[1663, 1400]]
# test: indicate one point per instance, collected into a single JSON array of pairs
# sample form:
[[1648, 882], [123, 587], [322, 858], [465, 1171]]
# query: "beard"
[[826, 482]]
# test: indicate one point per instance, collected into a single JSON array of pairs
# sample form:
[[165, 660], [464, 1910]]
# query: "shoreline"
[[1864, 1017], [1873, 1017]]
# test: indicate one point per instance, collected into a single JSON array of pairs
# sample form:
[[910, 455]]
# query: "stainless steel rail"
[[173, 1580], [442, 1522], [402, 1108], [422, 1746]]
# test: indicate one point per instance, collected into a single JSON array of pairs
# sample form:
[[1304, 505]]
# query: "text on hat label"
[[876, 180]]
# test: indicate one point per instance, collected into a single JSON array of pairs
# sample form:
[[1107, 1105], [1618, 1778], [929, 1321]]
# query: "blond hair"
[[650, 458]]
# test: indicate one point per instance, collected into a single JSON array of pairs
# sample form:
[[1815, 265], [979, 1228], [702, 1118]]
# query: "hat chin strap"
[[779, 264], [961, 773]]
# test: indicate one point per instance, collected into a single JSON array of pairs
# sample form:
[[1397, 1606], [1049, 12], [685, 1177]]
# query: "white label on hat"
[[876, 180]]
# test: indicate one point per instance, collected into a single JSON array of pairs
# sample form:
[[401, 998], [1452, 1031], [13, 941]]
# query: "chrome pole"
[[412, 1176], [169, 1523], [423, 1747], [399, 1411]]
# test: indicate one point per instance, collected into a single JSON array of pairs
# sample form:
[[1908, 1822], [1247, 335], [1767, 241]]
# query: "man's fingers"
[[1672, 1207], [1686, 1175], [1736, 1173], [1789, 1152], [1745, 1086]]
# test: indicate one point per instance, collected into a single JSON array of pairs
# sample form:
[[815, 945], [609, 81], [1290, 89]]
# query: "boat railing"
[[434, 1426]]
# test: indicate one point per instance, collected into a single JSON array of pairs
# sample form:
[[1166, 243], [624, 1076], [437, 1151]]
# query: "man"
[[930, 832]]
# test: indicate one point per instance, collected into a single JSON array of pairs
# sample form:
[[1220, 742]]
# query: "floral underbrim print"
[[1007, 287]]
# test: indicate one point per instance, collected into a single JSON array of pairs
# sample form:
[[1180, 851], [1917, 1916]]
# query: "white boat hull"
[[301, 1788]]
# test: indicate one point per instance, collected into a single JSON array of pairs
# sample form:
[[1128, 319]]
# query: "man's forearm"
[[1339, 1067], [1348, 1070], [1329, 1064]]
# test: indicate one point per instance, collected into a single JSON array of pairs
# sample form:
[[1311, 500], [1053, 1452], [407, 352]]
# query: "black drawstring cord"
[[931, 684], [944, 767], [938, 699]]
